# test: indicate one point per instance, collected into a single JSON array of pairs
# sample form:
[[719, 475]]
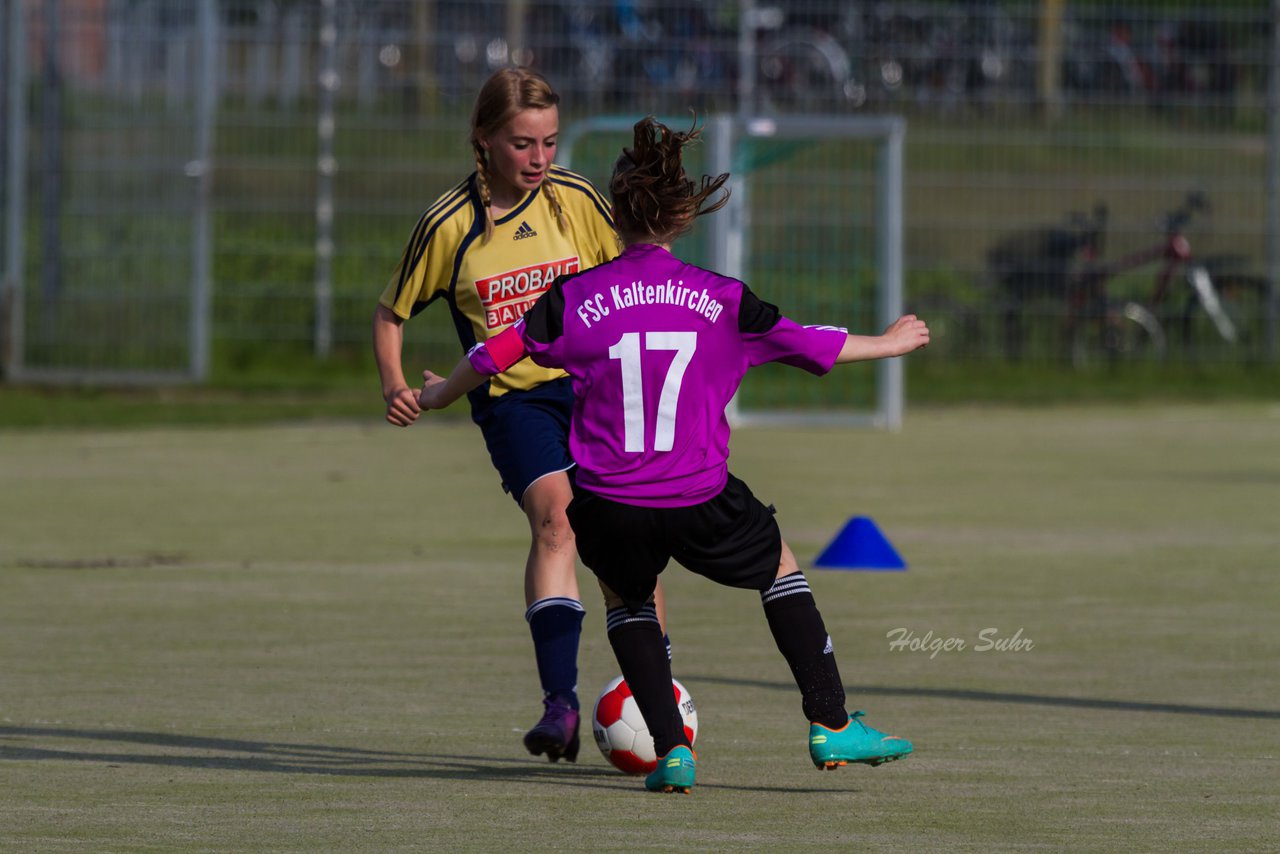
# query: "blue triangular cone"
[[860, 545]]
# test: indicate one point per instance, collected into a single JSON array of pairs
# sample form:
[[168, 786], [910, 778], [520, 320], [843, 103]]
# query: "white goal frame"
[[730, 234]]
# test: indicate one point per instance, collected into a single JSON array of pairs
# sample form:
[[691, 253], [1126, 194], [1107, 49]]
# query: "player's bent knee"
[[787, 564], [611, 599], [552, 533]]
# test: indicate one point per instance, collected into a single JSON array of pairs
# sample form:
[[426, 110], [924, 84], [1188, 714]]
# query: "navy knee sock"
[[802, 639], [556, 626]]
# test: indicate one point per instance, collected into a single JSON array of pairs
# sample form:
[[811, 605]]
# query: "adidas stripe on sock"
[[642, 656], [802, 639]]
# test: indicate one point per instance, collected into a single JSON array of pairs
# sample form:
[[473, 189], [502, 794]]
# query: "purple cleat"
[[557, 733]]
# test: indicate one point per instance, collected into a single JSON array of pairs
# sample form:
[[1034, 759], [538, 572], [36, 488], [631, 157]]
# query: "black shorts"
[[732, 539]]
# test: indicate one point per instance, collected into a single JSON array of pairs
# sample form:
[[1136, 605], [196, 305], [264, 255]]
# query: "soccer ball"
[[620, 730]]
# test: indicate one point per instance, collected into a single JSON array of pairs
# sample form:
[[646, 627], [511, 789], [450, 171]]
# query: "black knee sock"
[[803, 641], [637, 644]]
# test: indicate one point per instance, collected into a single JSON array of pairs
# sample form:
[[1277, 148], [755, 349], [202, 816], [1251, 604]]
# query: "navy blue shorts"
[[527, 433]]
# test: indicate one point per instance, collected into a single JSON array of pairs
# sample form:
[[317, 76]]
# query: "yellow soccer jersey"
[[489, 285]]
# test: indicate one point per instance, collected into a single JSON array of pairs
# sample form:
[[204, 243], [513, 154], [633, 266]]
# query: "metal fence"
[[189, 181]]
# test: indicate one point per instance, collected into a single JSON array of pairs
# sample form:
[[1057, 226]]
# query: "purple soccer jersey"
[[656, 348]]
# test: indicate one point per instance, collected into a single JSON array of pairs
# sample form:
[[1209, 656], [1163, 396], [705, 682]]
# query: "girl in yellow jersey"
[[489, 248]]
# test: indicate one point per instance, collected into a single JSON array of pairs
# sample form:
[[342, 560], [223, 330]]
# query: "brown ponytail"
[[653, 199]]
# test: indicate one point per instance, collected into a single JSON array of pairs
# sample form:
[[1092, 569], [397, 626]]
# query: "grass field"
[[309, 638]]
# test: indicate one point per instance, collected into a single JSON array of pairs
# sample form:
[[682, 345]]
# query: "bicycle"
[[850, 56], [1065, 262]]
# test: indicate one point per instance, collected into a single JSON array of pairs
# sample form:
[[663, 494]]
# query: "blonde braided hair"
[[508, 92]]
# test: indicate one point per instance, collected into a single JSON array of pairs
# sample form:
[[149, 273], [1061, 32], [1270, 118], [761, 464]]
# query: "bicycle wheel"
[[1224, 318], [1128, 333], [1244, 300], [807, 70]]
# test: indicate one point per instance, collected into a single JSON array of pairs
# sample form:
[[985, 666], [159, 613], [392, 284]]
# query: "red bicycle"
[[1197, 296]]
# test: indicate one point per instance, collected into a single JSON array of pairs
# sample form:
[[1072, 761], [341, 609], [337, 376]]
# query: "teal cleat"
[[855, 742], [675, 772]]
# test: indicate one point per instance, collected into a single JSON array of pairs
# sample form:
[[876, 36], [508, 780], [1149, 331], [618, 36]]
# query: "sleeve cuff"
[[498, 353]]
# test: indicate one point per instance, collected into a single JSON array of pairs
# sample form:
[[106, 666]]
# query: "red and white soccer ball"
[[620, 730]]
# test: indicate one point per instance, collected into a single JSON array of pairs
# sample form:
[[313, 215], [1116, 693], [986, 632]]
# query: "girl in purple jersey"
[[655, 349]]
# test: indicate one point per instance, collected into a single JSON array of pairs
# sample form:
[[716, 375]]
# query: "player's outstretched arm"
[[438, 392], [905, 335], [484, 360]]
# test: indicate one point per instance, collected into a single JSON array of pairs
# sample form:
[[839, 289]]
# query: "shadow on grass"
[[183, 751], [28, 744], [1006, 697]]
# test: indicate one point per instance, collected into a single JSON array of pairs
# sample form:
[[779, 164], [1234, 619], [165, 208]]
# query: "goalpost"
[[808, 244]]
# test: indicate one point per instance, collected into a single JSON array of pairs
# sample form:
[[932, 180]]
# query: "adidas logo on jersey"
[[525, 231]]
